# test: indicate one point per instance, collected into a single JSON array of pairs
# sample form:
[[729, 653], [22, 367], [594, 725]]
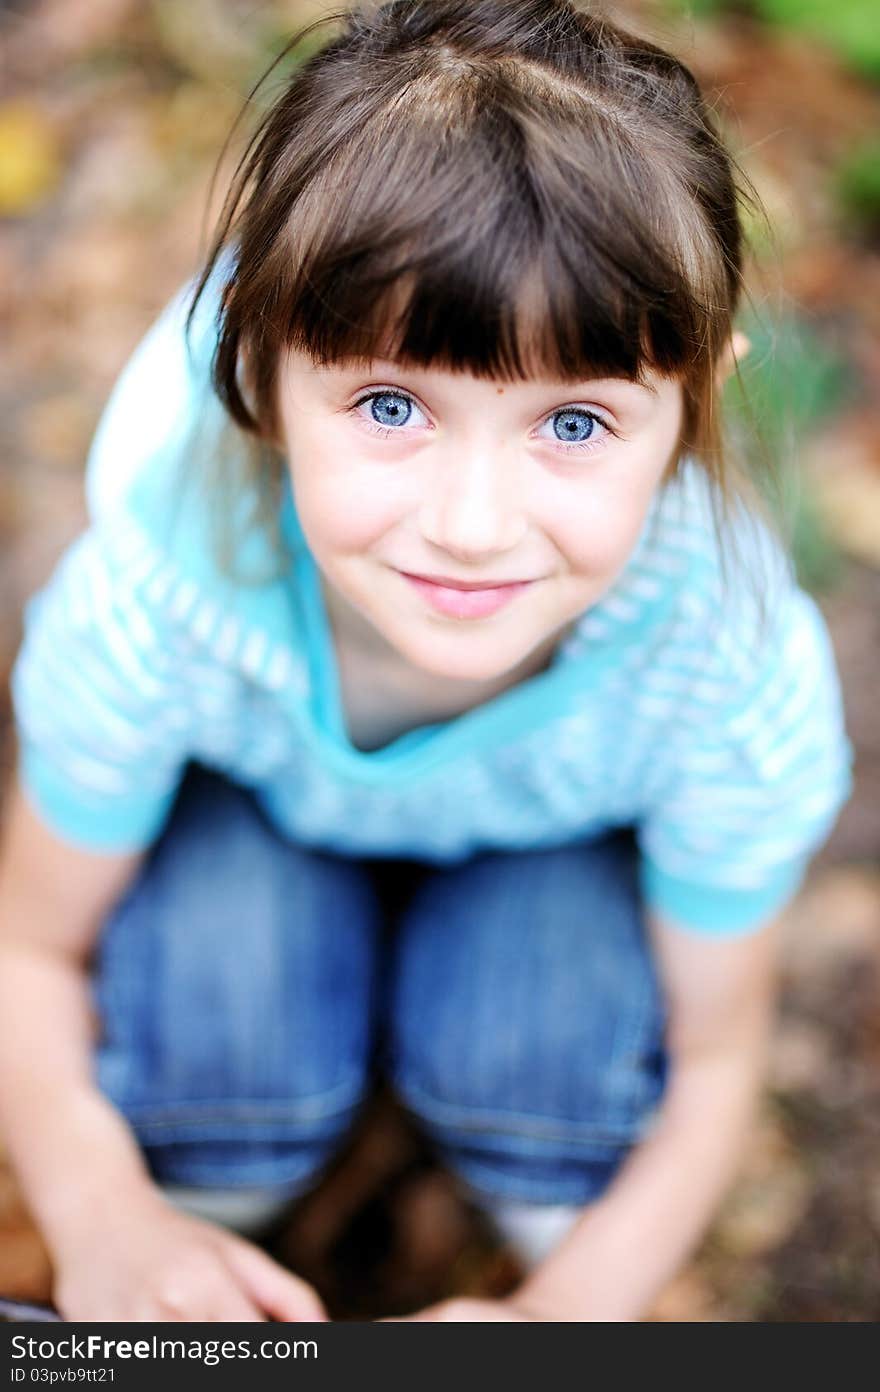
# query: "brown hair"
[[506, 187]]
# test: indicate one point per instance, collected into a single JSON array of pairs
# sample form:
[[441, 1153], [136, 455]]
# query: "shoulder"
[[161, 394], [168, 482], [734, 587], [760, 638], [168, 472], [710, 636], [764, 740]]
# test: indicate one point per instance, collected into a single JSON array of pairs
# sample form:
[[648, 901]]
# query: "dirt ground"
[[120, 116]]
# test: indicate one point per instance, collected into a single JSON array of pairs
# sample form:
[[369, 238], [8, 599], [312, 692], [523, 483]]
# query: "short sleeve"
[[756, 786], [100, 723]]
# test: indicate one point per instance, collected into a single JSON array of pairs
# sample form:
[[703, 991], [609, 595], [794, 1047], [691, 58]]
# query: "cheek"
[[598, 518], [597, 539], [343, 508]]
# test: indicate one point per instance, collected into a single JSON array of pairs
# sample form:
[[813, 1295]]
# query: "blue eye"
[[389, 411], [390, 408], [573, 425], [577, 428]]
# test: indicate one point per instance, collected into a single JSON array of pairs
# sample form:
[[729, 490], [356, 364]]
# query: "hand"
[[151, 1262], [464, 1310]]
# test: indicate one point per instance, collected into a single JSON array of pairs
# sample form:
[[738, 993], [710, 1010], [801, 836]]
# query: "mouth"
[[465, 599]]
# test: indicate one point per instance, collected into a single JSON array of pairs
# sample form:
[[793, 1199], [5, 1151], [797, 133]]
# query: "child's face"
[[530, 496]]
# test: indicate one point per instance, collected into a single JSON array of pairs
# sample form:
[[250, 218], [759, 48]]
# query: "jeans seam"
[[262, 1173], [319, 1107], [450, 1119], [490, 1184]]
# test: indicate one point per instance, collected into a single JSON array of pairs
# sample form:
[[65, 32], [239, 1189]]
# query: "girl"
[[409, 552]]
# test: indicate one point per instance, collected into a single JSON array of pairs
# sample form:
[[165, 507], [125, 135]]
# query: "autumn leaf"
[[30, 160]]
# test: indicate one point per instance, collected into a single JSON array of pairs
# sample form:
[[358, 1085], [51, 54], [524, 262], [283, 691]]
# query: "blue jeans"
[[252, 992]]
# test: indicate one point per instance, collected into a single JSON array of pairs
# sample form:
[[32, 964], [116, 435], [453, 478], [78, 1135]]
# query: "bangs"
[[497, 235]]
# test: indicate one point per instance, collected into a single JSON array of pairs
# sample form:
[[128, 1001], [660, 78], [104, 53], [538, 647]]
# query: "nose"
[[472, 506]]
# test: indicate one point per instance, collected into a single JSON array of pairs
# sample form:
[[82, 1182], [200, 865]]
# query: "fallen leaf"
[[30, 158], [770, 1196], [688, 1299]]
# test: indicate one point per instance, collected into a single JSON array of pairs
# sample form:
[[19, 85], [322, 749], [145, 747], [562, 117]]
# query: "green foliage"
[[857, 186], [791, 378], [818, 560], [790, 384], [850, 27], [274, 37], [703, 8]]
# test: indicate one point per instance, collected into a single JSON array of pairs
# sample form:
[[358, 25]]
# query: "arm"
[[635, 1237], [54, 1123], [136, 1258]]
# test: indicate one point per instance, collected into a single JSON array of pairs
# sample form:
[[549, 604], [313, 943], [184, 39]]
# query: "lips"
[[446, 583], [464, 599]]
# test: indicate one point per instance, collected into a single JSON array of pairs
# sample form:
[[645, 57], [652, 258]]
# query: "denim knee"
[[527, 1021], [236, 984]]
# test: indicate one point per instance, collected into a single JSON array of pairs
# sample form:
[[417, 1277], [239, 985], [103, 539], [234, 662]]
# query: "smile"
[[460, 599]]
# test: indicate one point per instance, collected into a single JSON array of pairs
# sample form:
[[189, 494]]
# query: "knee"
[[543, 1113], [236, 985], [545, 1068], [527, 1031]]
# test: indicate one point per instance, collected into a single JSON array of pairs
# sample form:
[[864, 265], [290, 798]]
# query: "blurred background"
[[112, 115]]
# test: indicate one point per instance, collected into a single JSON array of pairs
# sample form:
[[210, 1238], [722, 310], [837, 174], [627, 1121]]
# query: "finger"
[[213, 1304], [274, 1289], [235, 1306], [209, 1290]]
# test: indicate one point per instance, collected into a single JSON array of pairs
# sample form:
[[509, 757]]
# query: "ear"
[[734, 351]]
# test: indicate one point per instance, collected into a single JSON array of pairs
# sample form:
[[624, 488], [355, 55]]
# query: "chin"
[[461, 658]]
